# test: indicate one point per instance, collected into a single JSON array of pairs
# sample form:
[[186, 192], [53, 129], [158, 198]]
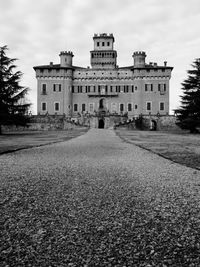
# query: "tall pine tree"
[[13, 108], [189, 112]]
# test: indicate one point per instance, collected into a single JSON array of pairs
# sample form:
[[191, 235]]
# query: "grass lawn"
[[14, 141], [183, 148]]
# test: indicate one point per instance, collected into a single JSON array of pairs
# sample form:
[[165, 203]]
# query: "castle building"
[[104, 89]]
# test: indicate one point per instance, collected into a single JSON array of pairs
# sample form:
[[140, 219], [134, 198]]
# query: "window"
[[56, 106], [162, 106], [118, 88], [72, 89], [111, 88], [57, 87], [91, 107], [75, 107], [132, 89], [162, 88], [121, 107], [97, 43], [79, 89], [102, 43], [102, 90], [148, 106], [113, 107], [135, 88], [129, 107], [44, 106], [108, 43], [148, 87], [44, 89], [88, 89], [135, 106], [83, 107], [125, 88]]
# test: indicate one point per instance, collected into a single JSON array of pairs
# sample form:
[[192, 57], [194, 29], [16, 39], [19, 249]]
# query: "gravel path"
[[97, 201]]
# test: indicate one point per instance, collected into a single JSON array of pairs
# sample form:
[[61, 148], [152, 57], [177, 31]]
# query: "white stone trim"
[[123, 107], [159, 105], [146, 106], [112, 104], [46, 105], [77, 107], [54, 104], [131, 107], [90, 104]]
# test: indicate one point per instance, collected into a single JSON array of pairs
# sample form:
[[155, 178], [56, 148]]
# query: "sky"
[[35, 32]]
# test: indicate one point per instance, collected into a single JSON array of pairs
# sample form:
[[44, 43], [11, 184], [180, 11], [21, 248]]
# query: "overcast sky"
[[37, 30]]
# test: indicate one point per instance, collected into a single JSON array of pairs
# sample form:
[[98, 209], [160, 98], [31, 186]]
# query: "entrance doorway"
[[101, 123], [153, 125]]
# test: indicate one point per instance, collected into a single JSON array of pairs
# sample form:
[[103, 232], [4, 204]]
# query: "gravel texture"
[[97, 201]]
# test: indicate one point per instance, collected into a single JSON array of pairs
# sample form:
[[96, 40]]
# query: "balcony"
[[103, 94]]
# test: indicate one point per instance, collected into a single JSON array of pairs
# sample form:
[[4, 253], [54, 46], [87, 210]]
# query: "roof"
[[56, 66], [153, 67]]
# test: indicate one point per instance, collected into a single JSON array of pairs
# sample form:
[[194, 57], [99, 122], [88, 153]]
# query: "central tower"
[[103, 56]]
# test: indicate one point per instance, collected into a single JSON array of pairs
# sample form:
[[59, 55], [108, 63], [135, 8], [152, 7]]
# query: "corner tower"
[[139, 59], [66, 63], [66, 58], [103, 56]]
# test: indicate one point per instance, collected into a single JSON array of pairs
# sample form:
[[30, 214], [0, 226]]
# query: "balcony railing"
[[104, 94]]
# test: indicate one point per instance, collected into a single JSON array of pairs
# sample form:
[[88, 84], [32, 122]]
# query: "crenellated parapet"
[[139, 53], [67, 53], [103, 35]]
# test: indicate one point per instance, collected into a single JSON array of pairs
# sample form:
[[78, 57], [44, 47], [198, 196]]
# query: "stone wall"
[[45, 123], [160, 123], [59, 122]]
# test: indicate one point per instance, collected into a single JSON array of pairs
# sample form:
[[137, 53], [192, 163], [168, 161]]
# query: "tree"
[[13, 108], [189, 112]]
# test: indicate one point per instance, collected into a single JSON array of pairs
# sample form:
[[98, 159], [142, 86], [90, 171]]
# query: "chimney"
[[165, 63]]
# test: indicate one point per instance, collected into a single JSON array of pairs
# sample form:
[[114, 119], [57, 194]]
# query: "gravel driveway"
[[97, 201]]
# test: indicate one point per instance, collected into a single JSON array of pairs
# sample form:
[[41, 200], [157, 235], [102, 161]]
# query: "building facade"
[[104, 89]]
